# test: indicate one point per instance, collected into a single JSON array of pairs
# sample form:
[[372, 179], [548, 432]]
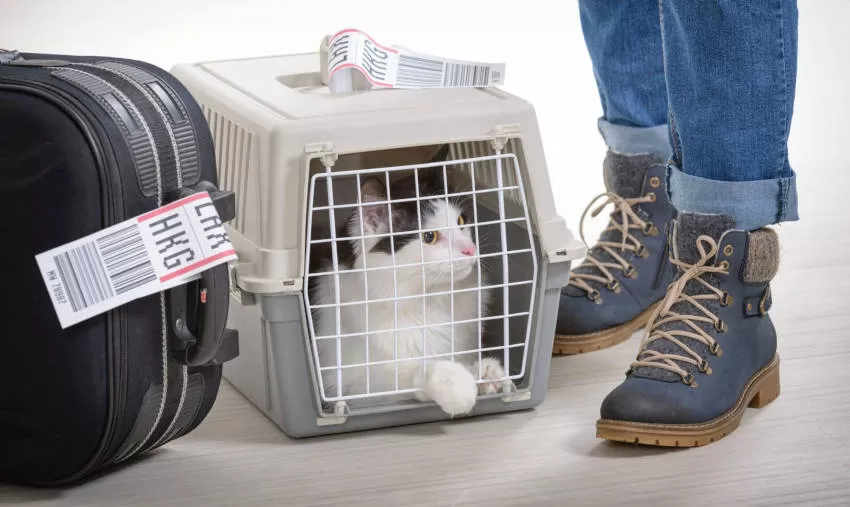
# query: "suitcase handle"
[[203, 304]]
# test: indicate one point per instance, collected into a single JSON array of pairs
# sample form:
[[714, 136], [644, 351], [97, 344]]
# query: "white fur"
[[450, 384]]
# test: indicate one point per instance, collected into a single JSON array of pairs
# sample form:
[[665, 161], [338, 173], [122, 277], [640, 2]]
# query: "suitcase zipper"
[[169, 431], [146, 444], [112, 215], [184, 372], [139, 446]]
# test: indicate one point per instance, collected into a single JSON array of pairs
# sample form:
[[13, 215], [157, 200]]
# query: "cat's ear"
[[373, 190], [431, 180], [441, 156]]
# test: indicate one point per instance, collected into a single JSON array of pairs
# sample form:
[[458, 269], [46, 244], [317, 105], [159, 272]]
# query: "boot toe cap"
[[579, 315], [653, 401]]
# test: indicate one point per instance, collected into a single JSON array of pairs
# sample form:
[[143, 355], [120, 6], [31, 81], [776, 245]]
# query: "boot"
[[613, 292], [710, 348]]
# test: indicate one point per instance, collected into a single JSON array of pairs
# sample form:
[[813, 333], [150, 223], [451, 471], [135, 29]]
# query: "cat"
[[450, 384]]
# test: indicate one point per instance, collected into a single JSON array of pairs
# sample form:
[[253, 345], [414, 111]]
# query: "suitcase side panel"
[[133, 388], [53, 412]]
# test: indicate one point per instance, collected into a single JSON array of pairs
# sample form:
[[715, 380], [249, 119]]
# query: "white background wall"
[[540, 40]]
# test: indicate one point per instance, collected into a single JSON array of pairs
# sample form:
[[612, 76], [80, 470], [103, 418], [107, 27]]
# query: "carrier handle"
[[198, 310]]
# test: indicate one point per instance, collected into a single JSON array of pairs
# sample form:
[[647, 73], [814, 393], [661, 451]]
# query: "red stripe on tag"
[[361, 32], [201, 263], [173, 205]]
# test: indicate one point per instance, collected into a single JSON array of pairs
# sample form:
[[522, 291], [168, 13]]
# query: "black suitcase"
[[85, 143]]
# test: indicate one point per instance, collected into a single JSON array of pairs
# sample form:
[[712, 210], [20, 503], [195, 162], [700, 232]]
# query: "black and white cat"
[[451, 385]]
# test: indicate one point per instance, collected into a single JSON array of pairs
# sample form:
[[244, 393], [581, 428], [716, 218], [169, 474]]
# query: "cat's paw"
[[451, 386], [491, 369]]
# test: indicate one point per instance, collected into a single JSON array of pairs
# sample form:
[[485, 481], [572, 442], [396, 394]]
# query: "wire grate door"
[[414, 264]]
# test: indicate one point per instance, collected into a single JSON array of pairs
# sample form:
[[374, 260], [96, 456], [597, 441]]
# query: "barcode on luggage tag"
[[417, 72], [138, 257], [109, 266]]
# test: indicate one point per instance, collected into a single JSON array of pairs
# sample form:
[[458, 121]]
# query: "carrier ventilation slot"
[[485, 170], [233, 150]]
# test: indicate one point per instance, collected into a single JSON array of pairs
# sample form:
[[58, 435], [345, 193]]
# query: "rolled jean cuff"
[[753, 204], [636, 140]]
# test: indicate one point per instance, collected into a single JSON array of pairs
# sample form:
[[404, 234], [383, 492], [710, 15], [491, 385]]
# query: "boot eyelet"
[[651, 196], [642, 252], [655, 182], [705, 368], [689, 380], [595, 296], [724, 265], [650, 230], [613, 286], [727, 300], [720, 326], [630, 272], [715, 349], [727, 250]]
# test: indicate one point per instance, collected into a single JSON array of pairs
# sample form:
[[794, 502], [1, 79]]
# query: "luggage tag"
[[354, 61], [150, 253]]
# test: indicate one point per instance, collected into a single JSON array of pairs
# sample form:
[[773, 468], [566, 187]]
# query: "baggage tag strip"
[[150, 253], [394, 67]]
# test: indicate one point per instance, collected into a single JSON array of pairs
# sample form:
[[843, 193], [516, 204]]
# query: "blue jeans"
[[709, 84]]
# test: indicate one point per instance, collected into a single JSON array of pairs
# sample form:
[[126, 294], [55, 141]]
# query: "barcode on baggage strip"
[[463, 74], [104, 268], [419, 72]]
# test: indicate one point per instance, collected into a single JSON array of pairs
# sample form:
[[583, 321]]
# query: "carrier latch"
[[324, 151], [500, 135], [341, 412]]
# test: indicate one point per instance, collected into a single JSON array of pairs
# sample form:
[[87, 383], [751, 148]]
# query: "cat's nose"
[[470, 250]]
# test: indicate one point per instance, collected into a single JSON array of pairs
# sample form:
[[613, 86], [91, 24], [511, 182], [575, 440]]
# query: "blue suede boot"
[[613, 292], [710, 349]]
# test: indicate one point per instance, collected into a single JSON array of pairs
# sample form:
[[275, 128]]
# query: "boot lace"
[[629, 221], [664, 315]]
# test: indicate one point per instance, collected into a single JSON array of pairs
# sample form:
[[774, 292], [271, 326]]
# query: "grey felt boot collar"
[[762, 260], [624, 174]]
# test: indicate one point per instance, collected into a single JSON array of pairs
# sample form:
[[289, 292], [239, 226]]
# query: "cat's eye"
[[430, 237], [461, 220]]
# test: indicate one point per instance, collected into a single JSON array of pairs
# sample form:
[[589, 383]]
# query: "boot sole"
[[762, 389], [570, 345]]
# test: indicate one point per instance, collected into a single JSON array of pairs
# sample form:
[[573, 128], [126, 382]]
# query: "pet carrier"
[[304, 164]]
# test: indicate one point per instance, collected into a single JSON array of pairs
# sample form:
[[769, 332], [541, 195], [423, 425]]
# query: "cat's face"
[[444, 243], [446, 237]]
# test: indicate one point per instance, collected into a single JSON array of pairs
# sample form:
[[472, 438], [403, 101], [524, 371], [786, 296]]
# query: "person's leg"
[[623, 39], [710, 350], [612, 293], [731, 70]]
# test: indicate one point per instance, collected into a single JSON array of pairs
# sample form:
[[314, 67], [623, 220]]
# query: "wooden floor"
[[794, 452]]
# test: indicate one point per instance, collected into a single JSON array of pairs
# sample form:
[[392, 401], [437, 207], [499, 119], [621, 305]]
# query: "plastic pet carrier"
[[347, 182]]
